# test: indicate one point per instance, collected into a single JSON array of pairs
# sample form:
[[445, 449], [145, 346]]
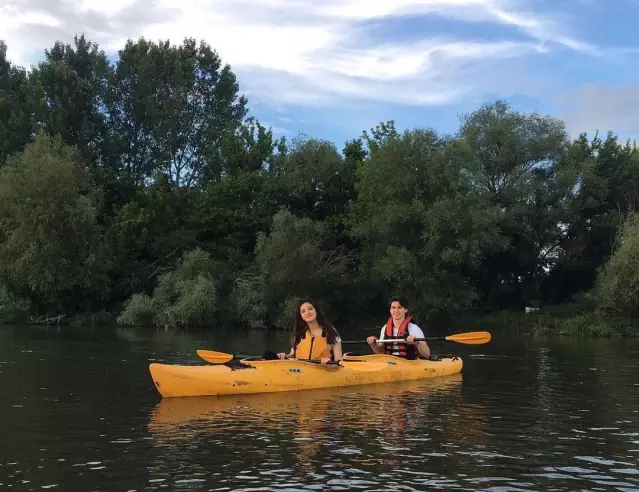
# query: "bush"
[[617, 289], [138, 310], [594, 324], [184, 297], [194, 303], [12, 308]]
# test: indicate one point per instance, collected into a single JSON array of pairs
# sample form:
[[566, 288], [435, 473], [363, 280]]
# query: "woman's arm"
[[337, 350]]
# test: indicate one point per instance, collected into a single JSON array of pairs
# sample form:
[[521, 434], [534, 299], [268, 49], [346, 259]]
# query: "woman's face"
[[308, 313]]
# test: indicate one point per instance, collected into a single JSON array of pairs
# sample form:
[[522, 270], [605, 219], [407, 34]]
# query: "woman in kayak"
[[399, 326], [314, 336]]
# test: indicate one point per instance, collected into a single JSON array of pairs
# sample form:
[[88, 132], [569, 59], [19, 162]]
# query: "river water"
[[79, 412]]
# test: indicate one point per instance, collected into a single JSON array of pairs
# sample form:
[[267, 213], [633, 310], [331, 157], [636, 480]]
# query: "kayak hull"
[[269, 376]]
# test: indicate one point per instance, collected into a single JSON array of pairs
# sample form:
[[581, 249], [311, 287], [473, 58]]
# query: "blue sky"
[[333, 68]]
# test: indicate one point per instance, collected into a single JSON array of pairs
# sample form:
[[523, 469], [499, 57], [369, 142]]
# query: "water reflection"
[[353, 431], [78, 411], [349, 405]]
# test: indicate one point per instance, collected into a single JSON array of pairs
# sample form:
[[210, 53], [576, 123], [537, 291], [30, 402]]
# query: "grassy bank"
[[581, 318], [567, 319]]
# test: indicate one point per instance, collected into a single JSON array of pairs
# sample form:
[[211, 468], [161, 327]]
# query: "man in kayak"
[[314, 336], [399, 326]]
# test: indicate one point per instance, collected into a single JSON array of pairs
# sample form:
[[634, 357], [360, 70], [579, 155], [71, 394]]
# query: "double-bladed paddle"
[[470, 338]]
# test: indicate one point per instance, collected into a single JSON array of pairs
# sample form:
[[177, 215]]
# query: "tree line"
[[142, 191]]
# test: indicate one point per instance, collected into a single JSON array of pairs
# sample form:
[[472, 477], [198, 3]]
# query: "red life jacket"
[[406, 350]]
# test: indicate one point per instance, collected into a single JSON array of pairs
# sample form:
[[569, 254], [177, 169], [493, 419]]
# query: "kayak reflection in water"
[[314, 336], [399, 326]]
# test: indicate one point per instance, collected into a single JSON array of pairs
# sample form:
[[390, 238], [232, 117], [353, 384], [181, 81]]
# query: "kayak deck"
[[269, 376]]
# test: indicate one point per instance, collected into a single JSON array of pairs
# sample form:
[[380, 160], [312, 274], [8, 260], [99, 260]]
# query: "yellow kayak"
[[269, 376]]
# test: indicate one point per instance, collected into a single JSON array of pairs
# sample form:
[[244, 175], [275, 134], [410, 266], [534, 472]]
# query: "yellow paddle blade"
[[470, 338], [214, 357]]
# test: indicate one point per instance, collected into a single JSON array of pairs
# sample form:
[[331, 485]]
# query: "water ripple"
[[533, 416]]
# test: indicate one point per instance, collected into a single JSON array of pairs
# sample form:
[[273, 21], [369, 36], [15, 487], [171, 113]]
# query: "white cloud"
[[593, 108], [375, 9], [314, 52]]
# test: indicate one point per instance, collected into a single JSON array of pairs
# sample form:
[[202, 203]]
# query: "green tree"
[[380, 135], [148, 234], [514, 165], [617, 288], [292, 261], [69, 86], [249, 149], [317, 182], [51, 249], [171, 108], [16, 106], [232, 211], [604, 179], [419, 222]]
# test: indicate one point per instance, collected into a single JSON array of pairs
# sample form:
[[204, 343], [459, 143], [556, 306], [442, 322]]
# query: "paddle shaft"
[[249, 357], [394, 340], [312, 361], [214, 357], [470, 338]]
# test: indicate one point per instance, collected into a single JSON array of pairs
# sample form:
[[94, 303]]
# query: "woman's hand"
[[410, 339], [325, 360], [282, 355], [371, 340]]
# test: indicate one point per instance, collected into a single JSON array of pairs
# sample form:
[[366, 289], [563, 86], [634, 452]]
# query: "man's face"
[[397, 311]]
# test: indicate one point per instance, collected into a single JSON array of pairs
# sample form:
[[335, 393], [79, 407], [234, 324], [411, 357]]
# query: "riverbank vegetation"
[[143, 192]]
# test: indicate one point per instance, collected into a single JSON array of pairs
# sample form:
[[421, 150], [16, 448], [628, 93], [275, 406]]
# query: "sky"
[[333, 68]]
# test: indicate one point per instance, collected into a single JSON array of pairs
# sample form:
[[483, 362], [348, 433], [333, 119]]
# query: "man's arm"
[[422, 347], [378, 348]]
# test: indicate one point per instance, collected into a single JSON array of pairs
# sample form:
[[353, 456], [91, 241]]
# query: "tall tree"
[[50, 244], [317, 182], [514, 165], [170, 108], [605, 188], [70, 85], [16, 107], [420, 224]]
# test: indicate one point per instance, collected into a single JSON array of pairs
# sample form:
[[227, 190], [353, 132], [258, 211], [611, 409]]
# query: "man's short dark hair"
[[401, 299]]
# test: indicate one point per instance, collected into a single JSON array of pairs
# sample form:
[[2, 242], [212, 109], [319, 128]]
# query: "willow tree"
[[51, 248]]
